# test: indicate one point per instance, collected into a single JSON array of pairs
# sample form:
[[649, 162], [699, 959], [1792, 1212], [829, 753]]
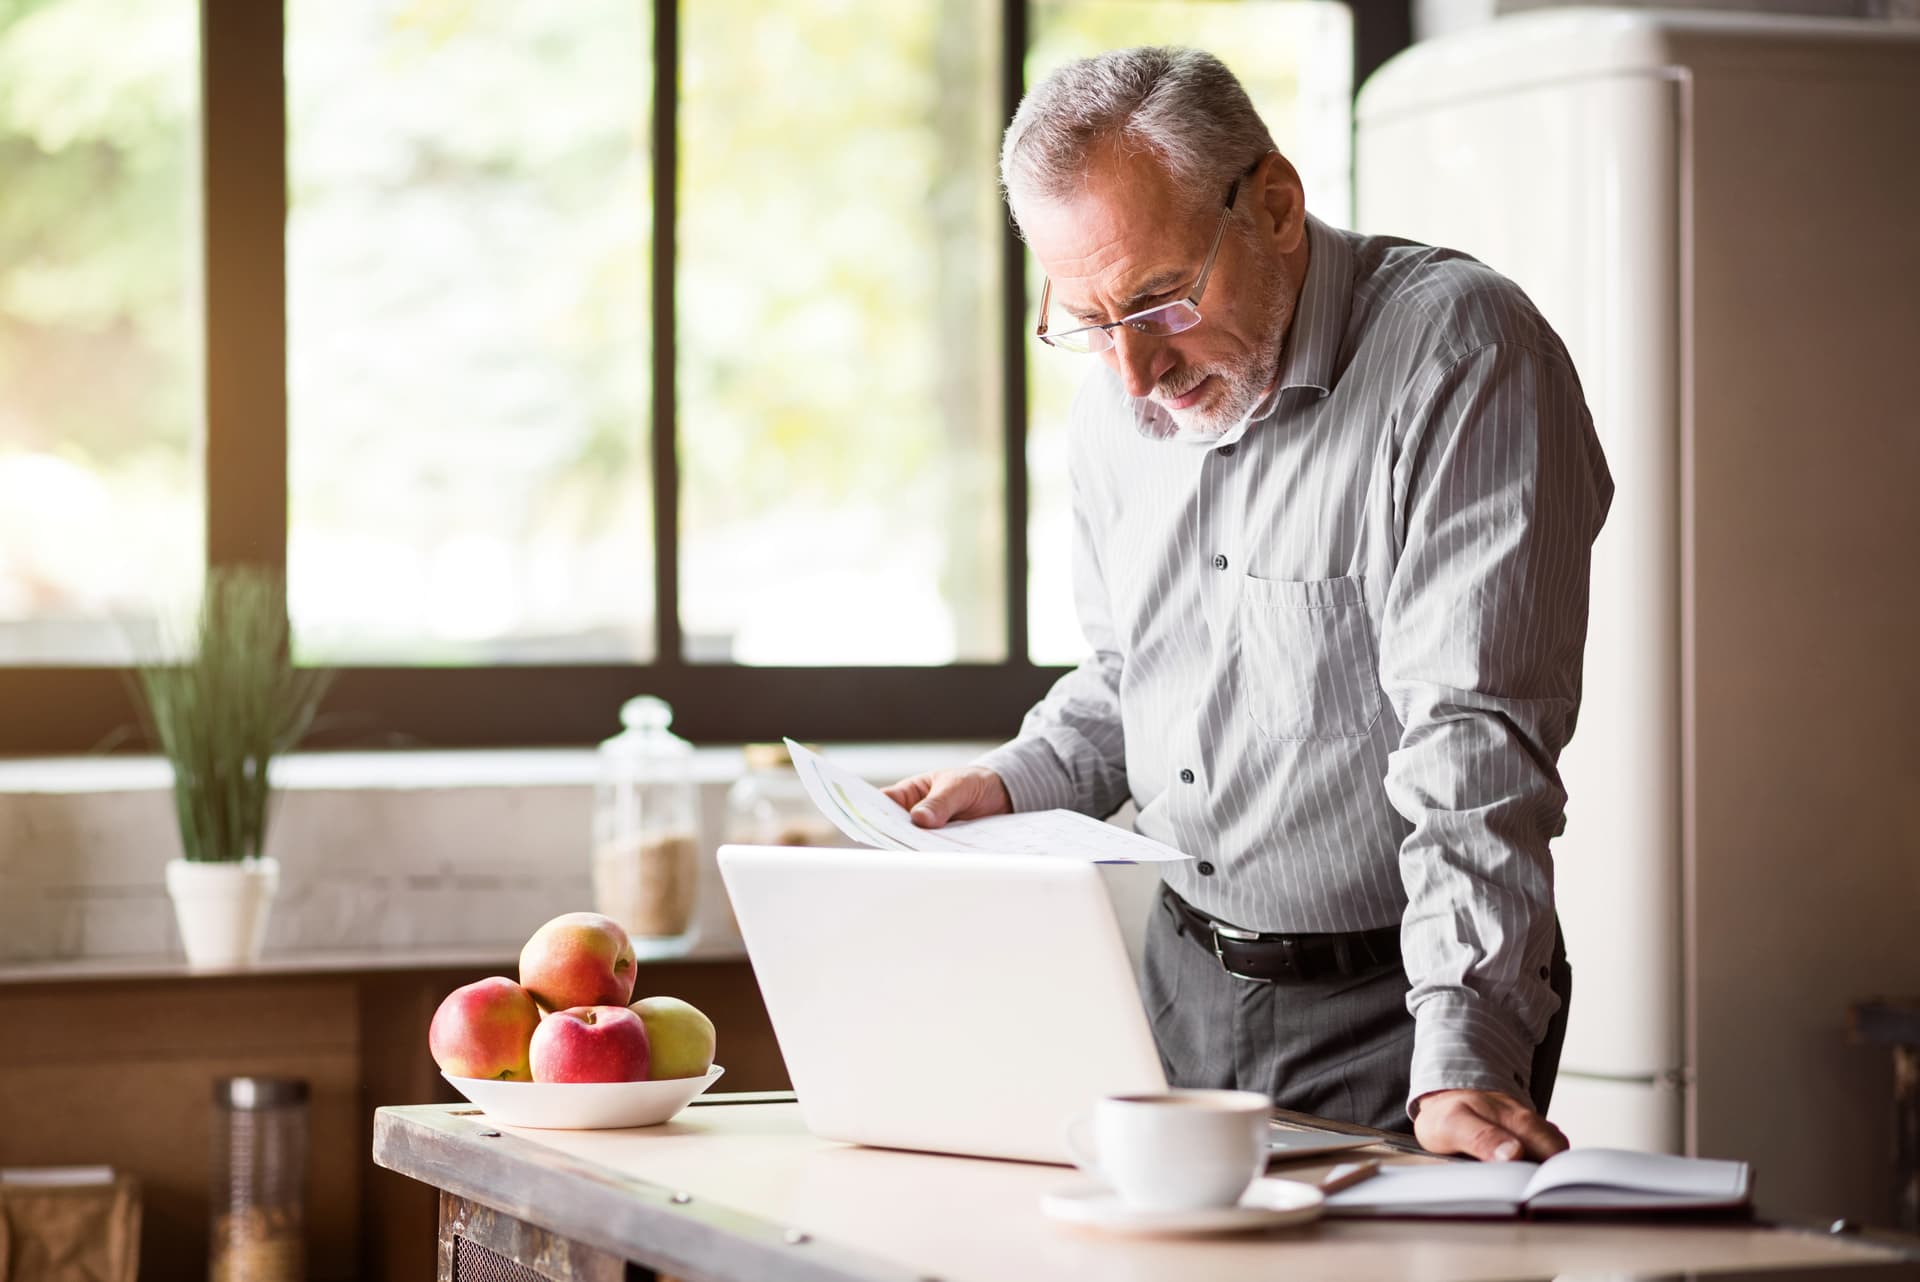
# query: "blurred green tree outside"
[[100, 383]]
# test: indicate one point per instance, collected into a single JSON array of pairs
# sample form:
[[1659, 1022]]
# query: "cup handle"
[[1080, 1145]]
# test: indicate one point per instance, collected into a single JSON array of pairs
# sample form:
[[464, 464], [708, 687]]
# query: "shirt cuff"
[[1463, 1043], [1033, 774]]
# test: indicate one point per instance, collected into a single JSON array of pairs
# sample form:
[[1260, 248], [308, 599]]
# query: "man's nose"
[[1139, 359]]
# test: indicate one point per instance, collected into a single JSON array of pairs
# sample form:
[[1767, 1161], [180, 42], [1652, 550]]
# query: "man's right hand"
[[968, 792]]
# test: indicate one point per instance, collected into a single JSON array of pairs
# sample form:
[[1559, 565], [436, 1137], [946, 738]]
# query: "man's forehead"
[[1109, 236]]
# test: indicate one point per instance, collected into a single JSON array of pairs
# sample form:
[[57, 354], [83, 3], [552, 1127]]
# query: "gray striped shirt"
[[1336, 651]]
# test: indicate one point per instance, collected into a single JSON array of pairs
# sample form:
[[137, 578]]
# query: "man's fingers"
[[935, 799], [908, 792], [933, 810], [1541, 1138], [1489, 1125], [929, 801], [1491, 1142]]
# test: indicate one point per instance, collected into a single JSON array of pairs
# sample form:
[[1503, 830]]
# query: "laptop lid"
[[953, 1003]]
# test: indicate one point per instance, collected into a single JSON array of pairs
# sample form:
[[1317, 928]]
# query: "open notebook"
[[1605, 1181]]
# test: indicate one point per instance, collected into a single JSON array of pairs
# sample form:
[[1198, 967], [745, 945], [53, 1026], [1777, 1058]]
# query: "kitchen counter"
[[735, 1188]]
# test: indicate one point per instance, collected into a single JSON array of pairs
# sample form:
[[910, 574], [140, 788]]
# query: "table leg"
[[480, 1244]]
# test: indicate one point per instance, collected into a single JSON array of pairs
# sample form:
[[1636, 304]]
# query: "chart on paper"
[[870, 817]]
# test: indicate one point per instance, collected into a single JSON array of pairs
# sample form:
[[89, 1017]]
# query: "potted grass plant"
[[221, 710]]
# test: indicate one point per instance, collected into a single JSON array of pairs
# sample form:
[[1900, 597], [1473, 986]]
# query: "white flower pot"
[[222, 908]]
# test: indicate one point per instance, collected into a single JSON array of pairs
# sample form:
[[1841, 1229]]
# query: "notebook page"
[[1443, 1188], [1655, 1177]]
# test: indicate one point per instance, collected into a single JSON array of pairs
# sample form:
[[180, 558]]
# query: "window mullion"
[[668, 648], [244, 217], [1014, 28]]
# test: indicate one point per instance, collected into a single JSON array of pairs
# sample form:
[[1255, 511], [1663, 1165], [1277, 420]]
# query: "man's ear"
[[1282, 201]]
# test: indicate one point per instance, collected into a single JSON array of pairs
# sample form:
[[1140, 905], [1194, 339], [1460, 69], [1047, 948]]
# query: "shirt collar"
[[1312, 346], [1320, 314]]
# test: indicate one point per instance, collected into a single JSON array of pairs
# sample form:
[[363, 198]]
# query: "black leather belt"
[[1272, 959]]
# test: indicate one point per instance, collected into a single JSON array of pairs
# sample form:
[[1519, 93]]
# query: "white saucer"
[[1267, 1204]]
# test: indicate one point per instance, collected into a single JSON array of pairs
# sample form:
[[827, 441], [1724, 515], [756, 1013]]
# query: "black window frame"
[[244, 213]]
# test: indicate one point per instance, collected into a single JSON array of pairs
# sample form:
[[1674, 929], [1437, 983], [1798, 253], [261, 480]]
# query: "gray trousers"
[[1340, 1048]]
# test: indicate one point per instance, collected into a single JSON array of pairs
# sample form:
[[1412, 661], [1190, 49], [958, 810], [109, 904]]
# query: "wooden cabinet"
[[119, 1069]]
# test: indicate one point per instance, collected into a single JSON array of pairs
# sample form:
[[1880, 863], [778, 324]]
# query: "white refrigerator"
[[1720, 215]]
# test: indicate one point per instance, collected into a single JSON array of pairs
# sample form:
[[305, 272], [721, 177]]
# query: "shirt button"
[[1226, 451], [1206, 869], [1186, 776], [1219, 562], [1543, 972]]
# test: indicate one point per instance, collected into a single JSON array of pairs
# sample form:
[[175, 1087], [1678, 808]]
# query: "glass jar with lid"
[[769, 806], [646, 850], [259, 1171]]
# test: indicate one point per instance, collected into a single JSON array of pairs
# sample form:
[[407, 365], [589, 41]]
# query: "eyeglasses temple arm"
[[1213, 250]]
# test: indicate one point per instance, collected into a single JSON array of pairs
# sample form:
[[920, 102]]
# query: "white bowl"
[[582, 1106]]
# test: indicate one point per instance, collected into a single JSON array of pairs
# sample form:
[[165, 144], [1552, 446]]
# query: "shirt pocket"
[[1308, 666]]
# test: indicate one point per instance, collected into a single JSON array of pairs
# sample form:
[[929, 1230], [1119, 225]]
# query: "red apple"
[[483, 1029], [591, 1044], [578, 959]]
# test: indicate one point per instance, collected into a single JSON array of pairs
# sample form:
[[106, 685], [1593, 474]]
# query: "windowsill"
[[394, 860], [338, 961], [469, 768]]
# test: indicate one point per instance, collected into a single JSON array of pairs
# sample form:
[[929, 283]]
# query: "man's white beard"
[[1244, 380]]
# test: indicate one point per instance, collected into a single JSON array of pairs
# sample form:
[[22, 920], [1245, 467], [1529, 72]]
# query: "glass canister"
[[769, 806], [259, 1190], [646, 850]]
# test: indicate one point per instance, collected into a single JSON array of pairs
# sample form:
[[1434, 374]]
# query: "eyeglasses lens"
[[1174, 318]]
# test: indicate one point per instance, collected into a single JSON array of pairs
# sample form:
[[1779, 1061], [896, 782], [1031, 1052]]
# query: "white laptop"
[[955, 1003]]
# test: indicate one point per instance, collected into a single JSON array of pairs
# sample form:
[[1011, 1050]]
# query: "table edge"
[[455, 1148]]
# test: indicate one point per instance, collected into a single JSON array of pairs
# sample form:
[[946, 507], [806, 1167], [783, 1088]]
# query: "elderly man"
[[1334, 498]]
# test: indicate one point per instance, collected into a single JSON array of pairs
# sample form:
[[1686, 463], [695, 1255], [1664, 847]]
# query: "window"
[[100, 396], [839, 301], [560, 352], [467, 330]]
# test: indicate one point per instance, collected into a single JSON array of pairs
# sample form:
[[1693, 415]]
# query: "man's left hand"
[[1490, 1125]]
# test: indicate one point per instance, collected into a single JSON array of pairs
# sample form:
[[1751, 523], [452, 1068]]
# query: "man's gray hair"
[[1183, 105]]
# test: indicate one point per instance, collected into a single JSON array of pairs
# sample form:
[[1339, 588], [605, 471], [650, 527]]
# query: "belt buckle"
[[1235, 933]]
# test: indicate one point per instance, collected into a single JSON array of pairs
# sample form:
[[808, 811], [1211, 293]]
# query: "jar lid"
[[646, 718], [247, 1093]]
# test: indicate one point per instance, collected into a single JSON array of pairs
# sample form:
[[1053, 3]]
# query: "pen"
[[1348, 1174]]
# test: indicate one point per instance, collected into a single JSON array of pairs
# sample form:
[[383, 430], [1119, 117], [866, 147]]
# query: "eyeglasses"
[[1158, 322]]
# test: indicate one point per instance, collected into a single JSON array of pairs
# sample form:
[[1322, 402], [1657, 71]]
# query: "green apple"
[[681, 1038]]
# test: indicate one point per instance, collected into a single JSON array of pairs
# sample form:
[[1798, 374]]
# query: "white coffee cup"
[[1177, 1150]]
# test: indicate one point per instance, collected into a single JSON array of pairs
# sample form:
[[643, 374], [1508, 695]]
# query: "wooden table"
[[735, 1188]]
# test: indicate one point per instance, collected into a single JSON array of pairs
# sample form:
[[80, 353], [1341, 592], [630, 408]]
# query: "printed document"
[[872, 818]]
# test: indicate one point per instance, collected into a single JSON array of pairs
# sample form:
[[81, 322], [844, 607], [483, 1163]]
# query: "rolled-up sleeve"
[[1500, 490]]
